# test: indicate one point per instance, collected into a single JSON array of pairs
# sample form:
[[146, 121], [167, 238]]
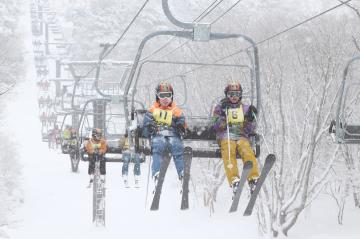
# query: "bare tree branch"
[[4, 92], [352, 7], [356, 43]]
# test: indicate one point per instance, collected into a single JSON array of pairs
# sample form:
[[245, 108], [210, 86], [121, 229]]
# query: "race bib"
[[163, 117], [236, 116]]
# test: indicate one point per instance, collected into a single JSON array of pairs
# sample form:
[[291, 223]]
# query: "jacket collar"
[[169, 107], [226, 102]]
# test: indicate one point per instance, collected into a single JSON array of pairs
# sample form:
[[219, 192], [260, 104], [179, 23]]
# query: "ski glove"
[[151, 127], [222, 123], [252, 112], [181, 129]]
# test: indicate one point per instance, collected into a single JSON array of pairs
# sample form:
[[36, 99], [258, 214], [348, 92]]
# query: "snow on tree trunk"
[[298, 105]]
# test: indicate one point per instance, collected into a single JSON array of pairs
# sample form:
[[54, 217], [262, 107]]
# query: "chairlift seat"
[[202, 139], [351, 134]]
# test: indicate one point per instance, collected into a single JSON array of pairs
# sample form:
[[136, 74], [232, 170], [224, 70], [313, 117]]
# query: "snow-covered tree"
[[11, 72], [299, 106]]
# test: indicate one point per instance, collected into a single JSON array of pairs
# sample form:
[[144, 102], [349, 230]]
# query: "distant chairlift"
[[346, 132], [104, 113]]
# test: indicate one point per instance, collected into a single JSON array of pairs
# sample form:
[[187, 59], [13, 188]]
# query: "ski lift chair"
[[199, 133], [199, 128], [345, 129], [199, 136], [110, 125]]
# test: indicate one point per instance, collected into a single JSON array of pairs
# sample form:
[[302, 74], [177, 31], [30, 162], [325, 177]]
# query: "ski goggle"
[[163, 95], [234, 94]]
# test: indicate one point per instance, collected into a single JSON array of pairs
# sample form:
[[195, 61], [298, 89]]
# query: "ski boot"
[[181, 178], [137, 181], [91, 181], [252, 185], [102, 179], [126, 181], [156, 178], [234, 185]]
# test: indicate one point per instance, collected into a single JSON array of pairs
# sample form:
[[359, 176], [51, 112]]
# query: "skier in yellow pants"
[[233, 123]]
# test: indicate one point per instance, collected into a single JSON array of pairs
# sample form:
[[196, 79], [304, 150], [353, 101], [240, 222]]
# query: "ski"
[[163, 168], [126, 184], [269, 162], [136, 184], [245, 172], [186, 178]]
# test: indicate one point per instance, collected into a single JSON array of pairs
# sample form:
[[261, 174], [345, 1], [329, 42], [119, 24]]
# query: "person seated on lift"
[[164, 124], [127, 156], [233, 124], [96, 146]]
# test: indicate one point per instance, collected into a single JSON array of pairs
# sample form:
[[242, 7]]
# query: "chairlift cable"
[[173, 38], [7, 90], [126, 29], [212, 9], [119, 39], [218, 18], [268, 38], [222, 15], [201, 15], [290, 28], [168, 53]]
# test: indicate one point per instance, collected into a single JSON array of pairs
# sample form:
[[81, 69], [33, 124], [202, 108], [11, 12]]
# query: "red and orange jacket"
[[91, 144]]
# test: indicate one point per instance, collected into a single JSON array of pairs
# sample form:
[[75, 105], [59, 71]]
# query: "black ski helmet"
[[96, 134]]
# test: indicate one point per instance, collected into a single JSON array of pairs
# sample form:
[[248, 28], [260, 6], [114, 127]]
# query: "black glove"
[[151, 127], [224, 107], [252, 112], [181, 129], [222, 123]]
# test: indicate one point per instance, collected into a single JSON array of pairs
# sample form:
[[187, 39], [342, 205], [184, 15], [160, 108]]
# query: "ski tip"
[[271, 158]]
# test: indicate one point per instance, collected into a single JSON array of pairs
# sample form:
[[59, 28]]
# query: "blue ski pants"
[[127, 158], [174, 145]]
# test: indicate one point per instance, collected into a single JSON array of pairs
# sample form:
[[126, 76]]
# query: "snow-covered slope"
[[58, 204]]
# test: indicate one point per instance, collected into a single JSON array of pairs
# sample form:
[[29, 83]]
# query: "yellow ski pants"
[[242, 146]]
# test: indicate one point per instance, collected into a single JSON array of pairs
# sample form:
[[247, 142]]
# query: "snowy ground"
[[320, 221], [58, 204]]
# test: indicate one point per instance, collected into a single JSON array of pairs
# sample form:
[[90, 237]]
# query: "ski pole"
[[147, 184], [229, 166]]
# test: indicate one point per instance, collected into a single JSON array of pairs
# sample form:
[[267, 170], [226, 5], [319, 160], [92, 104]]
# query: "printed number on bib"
[[236, 116], [163, 116]]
